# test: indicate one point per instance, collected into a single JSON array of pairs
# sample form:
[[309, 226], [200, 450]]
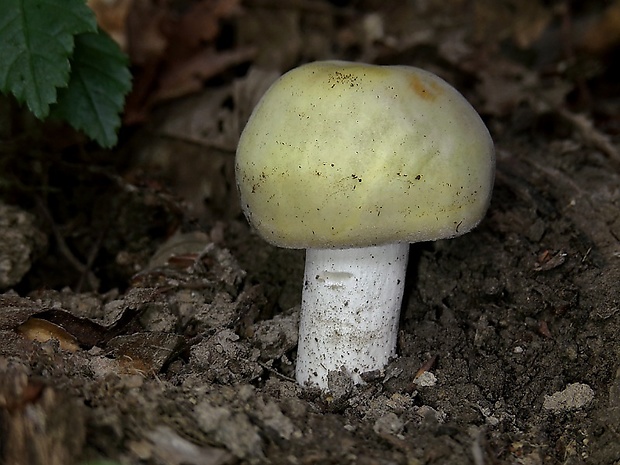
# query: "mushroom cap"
[[340, 155]]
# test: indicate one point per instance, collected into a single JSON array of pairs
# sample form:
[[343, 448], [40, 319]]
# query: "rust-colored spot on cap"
[[428, 90]]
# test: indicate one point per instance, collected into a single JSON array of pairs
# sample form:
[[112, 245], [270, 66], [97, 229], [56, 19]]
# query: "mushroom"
[[353, 162]]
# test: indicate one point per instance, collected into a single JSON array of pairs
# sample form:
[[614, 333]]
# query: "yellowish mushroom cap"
[[341, 155]]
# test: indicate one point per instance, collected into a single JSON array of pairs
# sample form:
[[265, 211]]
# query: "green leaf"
[[36, 41], [95, 96]]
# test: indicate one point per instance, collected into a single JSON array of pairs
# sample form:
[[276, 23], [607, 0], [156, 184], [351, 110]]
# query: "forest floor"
[[143, 322]]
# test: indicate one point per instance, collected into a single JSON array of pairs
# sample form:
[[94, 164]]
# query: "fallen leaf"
[[188, 76], [145, 351], [36, 329], [146, 42], [111, 17], [603, 34], [523, 21]]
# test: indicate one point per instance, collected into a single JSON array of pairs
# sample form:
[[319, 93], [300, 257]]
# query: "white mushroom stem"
[[349, 312]]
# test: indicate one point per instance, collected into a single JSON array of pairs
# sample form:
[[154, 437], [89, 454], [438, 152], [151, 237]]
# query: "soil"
[[140, 325]]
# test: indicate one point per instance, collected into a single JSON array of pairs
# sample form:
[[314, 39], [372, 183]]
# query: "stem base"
[[350, 310]]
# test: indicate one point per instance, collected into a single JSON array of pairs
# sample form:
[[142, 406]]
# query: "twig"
[[64, 248], [590, 134], [94, 251], [275, 372]]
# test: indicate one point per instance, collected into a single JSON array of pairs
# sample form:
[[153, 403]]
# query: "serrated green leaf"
[[36, 41], [95, 96]]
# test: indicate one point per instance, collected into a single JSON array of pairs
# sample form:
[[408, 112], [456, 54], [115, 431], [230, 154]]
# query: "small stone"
[[390, 423], [574, 397], [426, 379]]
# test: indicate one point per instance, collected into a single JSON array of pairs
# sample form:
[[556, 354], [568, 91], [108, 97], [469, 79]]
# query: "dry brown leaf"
[[531, 21], [521, 20], [145, 351], [36, 329], [603, 34], [175, 50], [276, 34], [111, 17], [200, 23], [188, 76], [502, 87], [146, 40]]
